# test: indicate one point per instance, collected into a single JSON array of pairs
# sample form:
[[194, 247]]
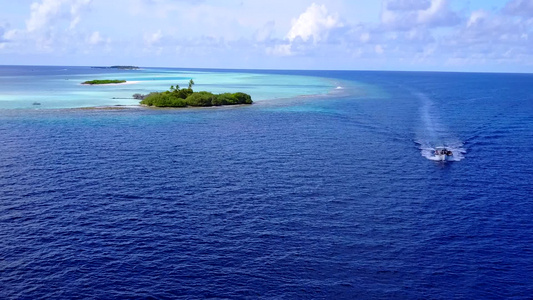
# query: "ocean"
[[324, 188]]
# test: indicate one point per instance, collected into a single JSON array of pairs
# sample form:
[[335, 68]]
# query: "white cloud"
[[51, 25], [419, 35], [315, 23], [265, 32], [476, 17], [408, 4], [364, 37], [75, 11], [3, 36], [311, 28], [95, 38], [42, 14], [408, 31], [519, 8], [154, 38], [11, 34], [493, 29], [415, 13], [2, 32], [280, 50], [47, 12], [438, 14], [489, 37]]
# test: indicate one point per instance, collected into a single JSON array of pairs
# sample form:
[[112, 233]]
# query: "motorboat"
[[443, 154]]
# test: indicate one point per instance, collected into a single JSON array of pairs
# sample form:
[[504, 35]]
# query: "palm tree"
[[191, 83]]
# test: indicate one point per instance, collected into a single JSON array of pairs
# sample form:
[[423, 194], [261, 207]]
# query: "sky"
[[407, 35]]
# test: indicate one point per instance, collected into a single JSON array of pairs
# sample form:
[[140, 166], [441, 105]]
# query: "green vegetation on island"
[[105, 81], [177, 97], [125, 67], [119, 67]]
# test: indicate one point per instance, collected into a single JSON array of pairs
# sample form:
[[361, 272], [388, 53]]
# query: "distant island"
[[118, 67], [176, 97], [105, 81]]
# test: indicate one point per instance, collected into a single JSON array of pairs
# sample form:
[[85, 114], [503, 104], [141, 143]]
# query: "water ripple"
[[265, 202]]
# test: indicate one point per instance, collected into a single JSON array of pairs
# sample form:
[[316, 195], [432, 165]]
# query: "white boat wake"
[[428, 151], [433, 134]]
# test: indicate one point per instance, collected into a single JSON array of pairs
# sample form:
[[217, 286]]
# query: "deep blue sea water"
[[317, 197]]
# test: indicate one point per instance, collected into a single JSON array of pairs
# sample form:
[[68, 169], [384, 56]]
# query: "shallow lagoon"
[[60, 87]]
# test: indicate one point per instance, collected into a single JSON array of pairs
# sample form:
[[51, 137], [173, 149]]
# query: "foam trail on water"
[[427, 150], [434, 134]]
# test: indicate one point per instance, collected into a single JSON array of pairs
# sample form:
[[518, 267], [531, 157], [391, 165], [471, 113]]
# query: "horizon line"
[[261, 69]]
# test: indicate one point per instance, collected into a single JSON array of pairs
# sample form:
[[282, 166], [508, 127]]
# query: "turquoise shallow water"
[[59, 87], [331, 196]]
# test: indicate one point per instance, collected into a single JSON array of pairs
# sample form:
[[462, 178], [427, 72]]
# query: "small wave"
[[339, 88]]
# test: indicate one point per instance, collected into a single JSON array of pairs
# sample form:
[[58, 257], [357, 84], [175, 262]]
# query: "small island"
[[119, 67], [105, 81], [176, 97], [125, 67]]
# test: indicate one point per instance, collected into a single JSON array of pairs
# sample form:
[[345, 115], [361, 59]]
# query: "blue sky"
[[435, 35]]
